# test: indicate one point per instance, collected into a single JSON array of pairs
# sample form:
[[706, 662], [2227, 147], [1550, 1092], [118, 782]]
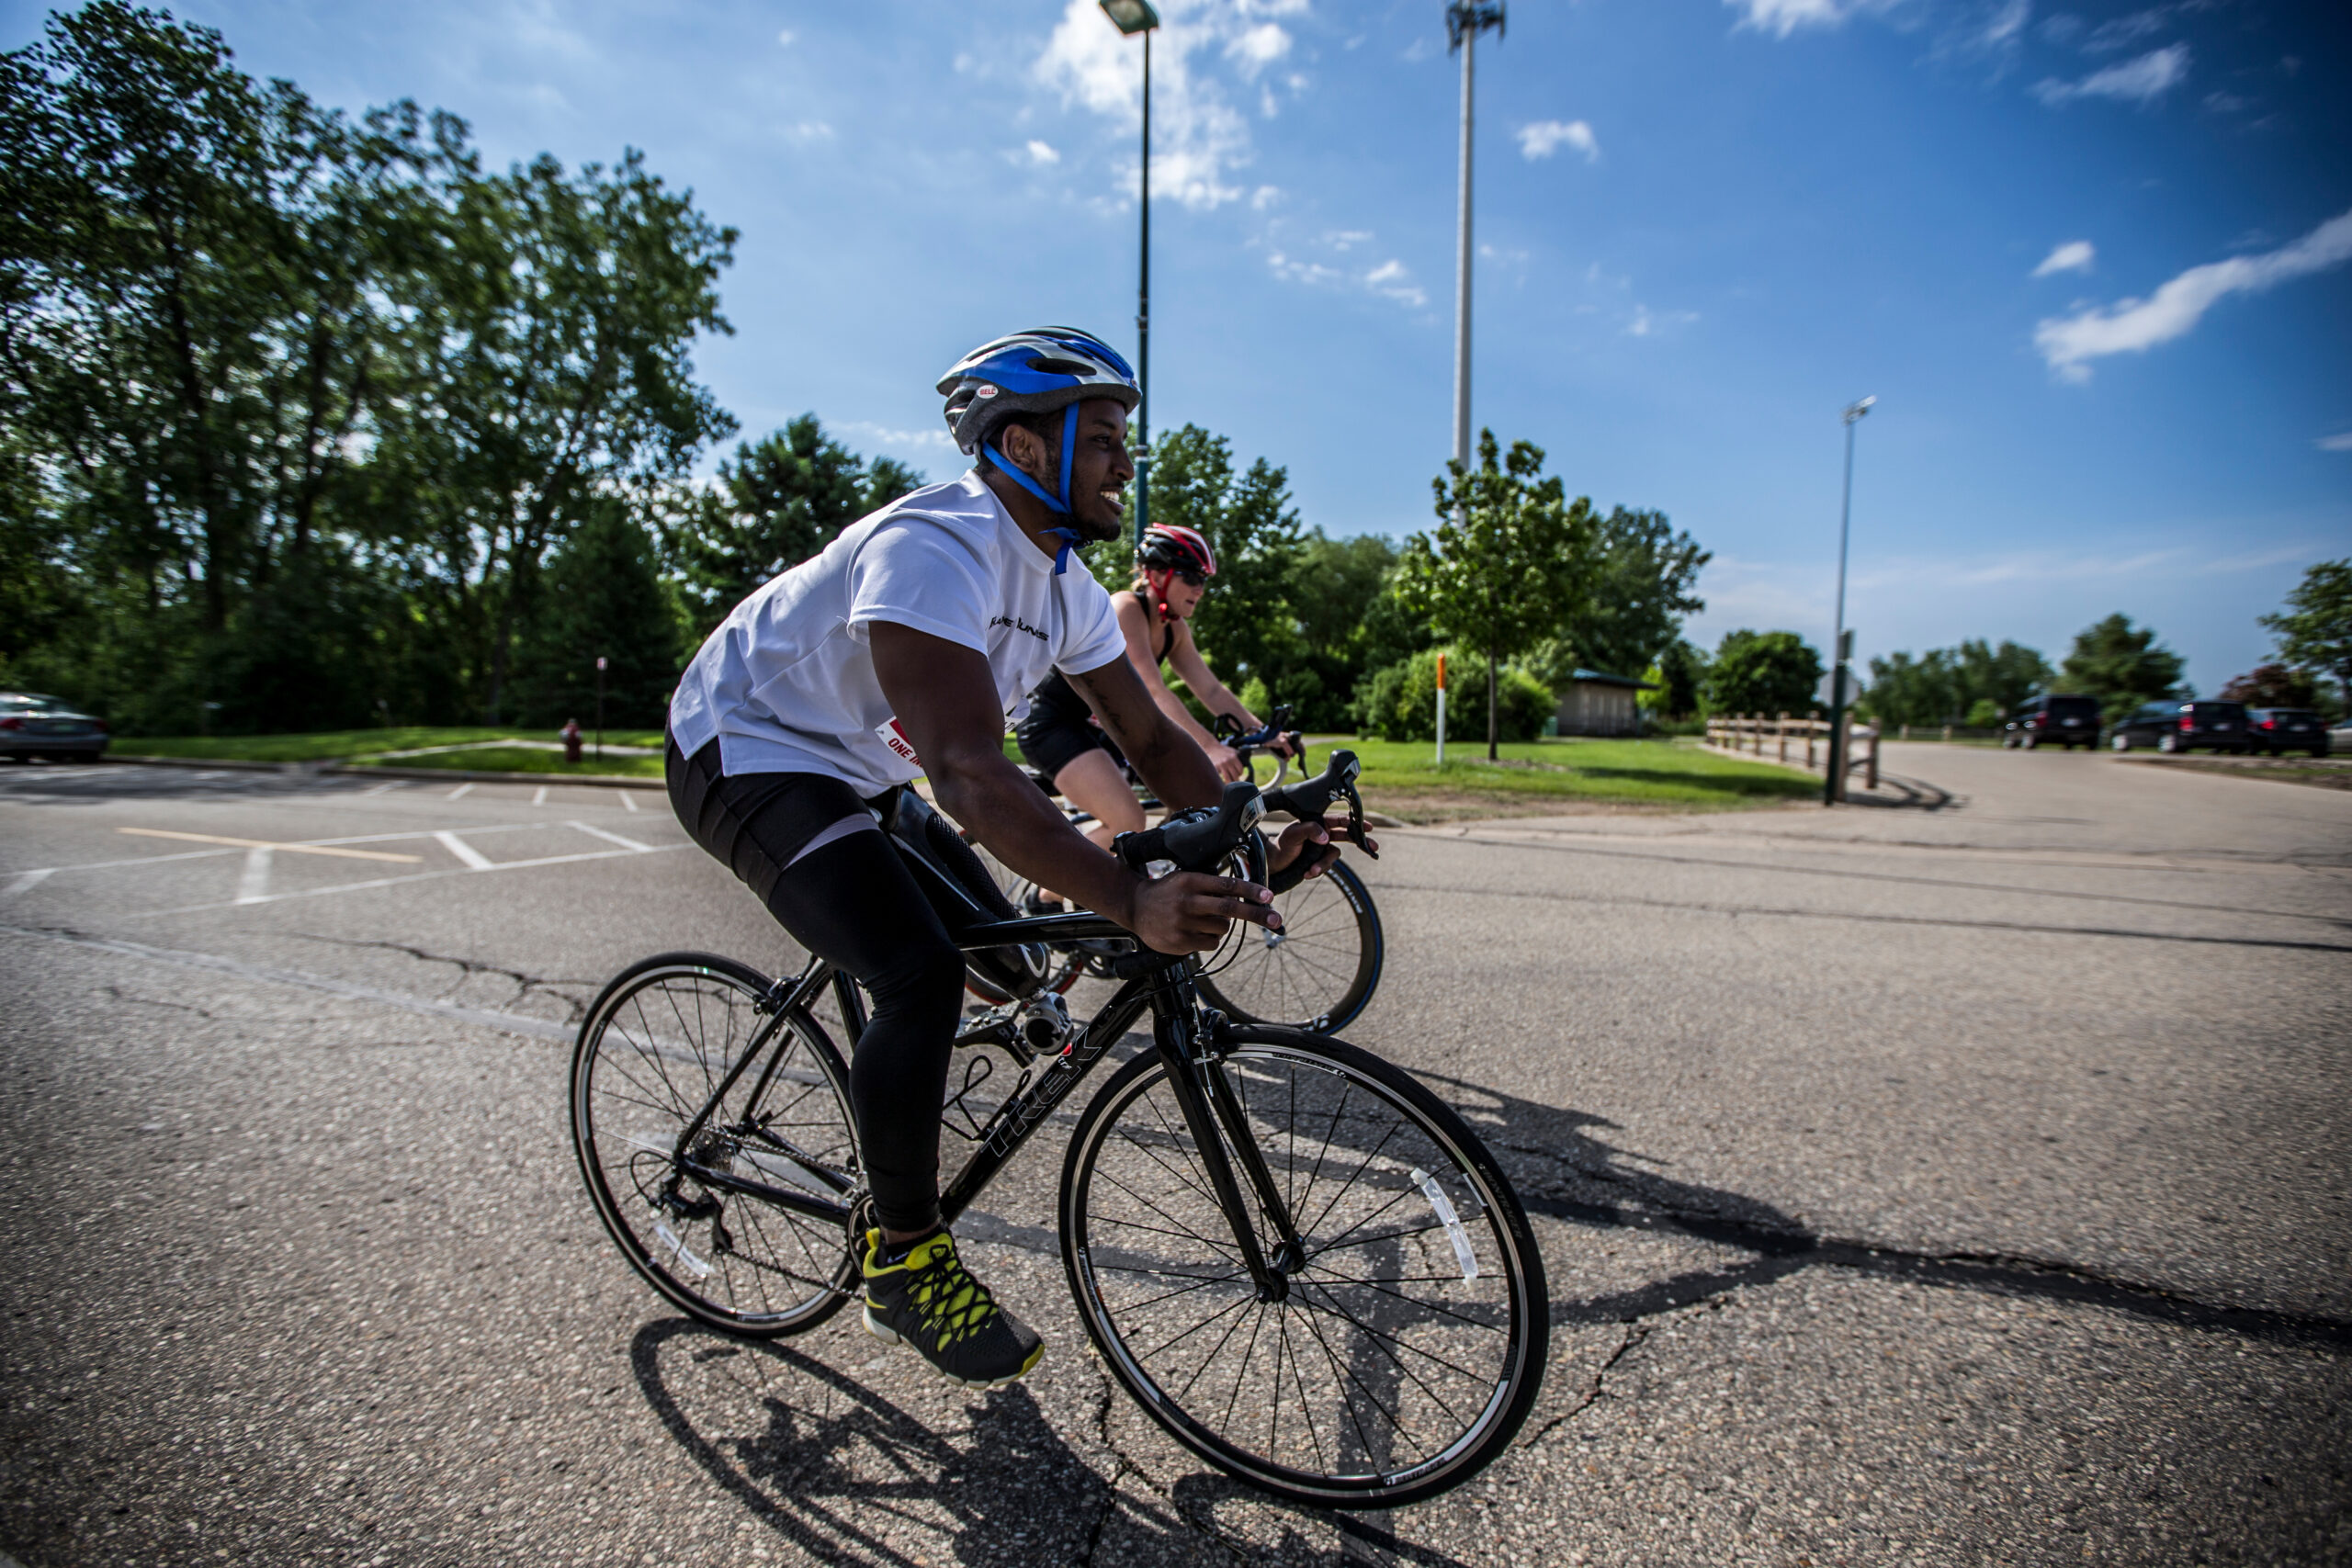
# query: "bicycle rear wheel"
[[653, 1049], [1317, 973], [1411, 1341]]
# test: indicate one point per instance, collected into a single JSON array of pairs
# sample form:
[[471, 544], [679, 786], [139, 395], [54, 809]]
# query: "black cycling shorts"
[[1052, 737]]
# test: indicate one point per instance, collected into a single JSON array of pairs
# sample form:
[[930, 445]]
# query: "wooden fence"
[[1780, 737]]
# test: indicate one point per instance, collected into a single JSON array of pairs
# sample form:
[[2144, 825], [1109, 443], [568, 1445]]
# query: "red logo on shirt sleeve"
[[894, 735]]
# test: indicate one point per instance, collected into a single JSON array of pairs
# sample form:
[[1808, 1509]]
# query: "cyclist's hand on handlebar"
[[1227, 762], [1319, 839], [1187, 911]]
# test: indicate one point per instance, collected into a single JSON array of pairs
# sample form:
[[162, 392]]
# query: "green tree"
[[1245, 625], [2273, 686], [2121, 665], [1645, 572], [778, 502], [1680, 676], [1907, 691], [2008, 674], [603, 598], [1510, 563], [1400, 702], [2315, 630], [1763, 672], [554, 340]]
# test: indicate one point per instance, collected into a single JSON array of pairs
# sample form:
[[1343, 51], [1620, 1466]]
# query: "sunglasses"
[[1192, 579]]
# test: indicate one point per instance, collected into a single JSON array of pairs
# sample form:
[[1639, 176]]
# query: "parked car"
[[2183, 727], [2062, 720], [34, 726], [2281, 731]]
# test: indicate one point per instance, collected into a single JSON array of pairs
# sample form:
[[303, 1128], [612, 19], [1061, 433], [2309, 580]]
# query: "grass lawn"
[[360, 743], [1537, 777]]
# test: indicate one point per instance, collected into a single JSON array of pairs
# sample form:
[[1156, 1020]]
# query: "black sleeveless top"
[[1056, 702]]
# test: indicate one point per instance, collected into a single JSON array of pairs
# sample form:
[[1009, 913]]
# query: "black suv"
[[2063, 720], [2183, 727], [2281, 731]]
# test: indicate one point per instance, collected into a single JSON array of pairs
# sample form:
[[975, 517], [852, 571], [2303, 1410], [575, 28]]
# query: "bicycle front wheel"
[[654, 1050], [1317, 973], [1409, 1341]]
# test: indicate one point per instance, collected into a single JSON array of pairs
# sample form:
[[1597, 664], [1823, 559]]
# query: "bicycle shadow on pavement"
[[1562, 1169], [846, 1475]]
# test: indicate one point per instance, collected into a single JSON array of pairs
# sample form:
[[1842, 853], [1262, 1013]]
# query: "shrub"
[[1400, 702]]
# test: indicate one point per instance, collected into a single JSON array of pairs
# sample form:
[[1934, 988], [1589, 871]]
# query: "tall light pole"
[[1833, 788], [1132, 16], [1464, 20]]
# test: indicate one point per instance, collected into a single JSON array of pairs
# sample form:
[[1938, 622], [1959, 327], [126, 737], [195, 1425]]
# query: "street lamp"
[[1133, 16], [1833, 788], [1464, 20]]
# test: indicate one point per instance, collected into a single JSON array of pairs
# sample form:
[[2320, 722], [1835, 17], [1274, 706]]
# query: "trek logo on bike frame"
[[1013, 1121]]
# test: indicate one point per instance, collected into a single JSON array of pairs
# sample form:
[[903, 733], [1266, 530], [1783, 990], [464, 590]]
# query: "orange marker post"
[[1441, 708]]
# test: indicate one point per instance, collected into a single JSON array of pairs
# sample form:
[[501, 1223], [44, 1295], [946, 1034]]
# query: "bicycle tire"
[[1119, 1268], [729, 1265], [1318, 972]]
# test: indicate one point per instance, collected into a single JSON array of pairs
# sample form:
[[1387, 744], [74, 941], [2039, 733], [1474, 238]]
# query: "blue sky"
[[2094, 259]]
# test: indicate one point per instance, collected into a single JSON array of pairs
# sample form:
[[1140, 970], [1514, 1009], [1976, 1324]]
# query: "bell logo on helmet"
[[984, 391]]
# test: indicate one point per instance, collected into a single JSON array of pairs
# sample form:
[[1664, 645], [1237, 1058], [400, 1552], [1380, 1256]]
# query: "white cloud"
[[1347, 239], [1264, 197], [1782, 17], [1254, 48], [2139, 80], [1646, 323], [2339, 442], [2133, 326], [786, 38], [1041, 153], [2075, 255], [1393, 280], [1544, 137], [886, 436], [1198, 136], [808, 131], [2006, 23]]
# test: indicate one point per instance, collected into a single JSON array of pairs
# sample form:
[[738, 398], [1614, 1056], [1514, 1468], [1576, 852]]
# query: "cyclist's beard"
[[1095, 531]]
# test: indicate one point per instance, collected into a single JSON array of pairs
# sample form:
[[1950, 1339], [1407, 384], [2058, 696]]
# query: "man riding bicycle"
[[1061, 738], [901, 650]]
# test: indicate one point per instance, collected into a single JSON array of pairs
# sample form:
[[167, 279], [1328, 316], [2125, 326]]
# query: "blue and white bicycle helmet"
[[1033, 372]]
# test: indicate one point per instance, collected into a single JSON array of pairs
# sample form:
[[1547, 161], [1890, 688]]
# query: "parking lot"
[[1954, 1185]]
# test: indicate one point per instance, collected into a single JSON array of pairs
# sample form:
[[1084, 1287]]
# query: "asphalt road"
[[1962, 1185]]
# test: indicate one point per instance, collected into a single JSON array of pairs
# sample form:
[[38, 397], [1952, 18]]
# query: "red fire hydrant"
[[571, 740]]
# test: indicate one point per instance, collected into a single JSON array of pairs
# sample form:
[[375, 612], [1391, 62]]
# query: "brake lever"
[[1356, 834]]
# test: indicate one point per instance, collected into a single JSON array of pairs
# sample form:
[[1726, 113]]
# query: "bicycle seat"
[[1198, 840]]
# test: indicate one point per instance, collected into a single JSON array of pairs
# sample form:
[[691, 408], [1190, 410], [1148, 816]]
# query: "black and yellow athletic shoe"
[[927, 1301]]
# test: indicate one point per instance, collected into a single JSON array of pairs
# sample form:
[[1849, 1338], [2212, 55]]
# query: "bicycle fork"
[[1214, 1116]]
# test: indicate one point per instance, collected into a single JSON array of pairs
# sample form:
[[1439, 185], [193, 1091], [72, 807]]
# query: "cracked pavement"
[[1952, 1185]]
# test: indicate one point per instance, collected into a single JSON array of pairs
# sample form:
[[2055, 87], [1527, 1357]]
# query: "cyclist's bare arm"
[[1144, 731], [1136, 628], [1184, 654], [943, 696]]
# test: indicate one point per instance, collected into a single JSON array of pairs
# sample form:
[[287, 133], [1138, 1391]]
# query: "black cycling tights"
[[853, 902]]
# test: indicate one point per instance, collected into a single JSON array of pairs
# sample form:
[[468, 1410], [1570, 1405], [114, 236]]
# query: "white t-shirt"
[[787, 682]]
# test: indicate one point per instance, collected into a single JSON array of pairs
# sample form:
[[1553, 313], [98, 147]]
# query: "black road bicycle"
[[1296, 1259], [1318, 972]]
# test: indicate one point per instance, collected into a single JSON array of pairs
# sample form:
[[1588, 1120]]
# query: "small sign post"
[[601, 662], [1441, 708]]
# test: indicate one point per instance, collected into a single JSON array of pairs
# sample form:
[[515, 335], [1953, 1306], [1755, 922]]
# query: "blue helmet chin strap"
[[1068, 537]]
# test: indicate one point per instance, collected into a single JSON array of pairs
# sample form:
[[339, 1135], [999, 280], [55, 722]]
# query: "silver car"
[[34, 726]]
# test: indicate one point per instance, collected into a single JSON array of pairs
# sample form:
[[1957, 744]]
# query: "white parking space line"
[[540, 798], [23, 882], [386, 787], [462, 791], [628, 799], [611, 838], [473, 858], [314, 848], [396, 881], [253, 886]]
